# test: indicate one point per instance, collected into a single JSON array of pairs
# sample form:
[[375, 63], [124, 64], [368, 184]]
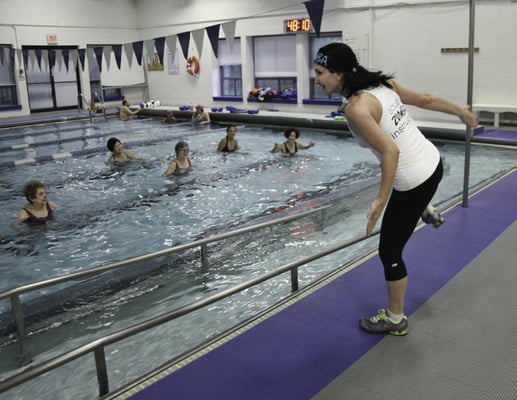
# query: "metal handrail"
[[15, 293], [83, 97], [97, 346]]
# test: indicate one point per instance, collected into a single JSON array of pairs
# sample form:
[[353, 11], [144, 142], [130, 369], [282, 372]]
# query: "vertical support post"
[[204, 255], [18, 316], [294, 279], [323, 218], [470, 79], [25, 358], [102, 371]]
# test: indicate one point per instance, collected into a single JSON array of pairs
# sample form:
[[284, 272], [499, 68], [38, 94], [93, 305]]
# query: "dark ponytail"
[[361, 79]]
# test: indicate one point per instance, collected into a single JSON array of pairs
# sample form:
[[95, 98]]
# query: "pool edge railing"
[[14, 294], [97, 346]]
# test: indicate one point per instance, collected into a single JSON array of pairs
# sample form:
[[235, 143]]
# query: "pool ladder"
[[84, 101]]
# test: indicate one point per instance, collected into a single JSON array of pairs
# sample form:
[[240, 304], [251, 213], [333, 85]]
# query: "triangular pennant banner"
[[66, 57], [32, 58], [149, 50], [198, 36], [315, 10], [138, 47], [25, 53], [89, 56], [59, 59], [44, 58], [128, 49], [106, 51], [229, 33], [159, 45], [73, 57], [171, 44], [19, 56], [117, 50], [98, 54], [81, 53], [51, 59], [37, 53], [213, 37], [184, 39]]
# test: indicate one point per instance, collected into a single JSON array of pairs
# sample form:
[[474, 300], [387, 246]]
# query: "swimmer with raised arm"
[[126, 113], [291, 145]]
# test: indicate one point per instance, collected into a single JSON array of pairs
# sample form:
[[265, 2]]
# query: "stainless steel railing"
[[97, 346], [14, 294], [87, 103]]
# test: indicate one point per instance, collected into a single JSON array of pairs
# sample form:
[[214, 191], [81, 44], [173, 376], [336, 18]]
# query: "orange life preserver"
[[193, 65]]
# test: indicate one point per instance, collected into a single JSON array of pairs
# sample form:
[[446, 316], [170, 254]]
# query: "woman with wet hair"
[[39, 209], [181, 164], [119, 154], [291, 145]]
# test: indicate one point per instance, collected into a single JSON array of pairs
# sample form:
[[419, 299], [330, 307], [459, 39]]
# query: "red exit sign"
[[51, 39]]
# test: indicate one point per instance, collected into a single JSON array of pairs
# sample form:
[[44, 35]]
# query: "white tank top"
[[418, 157]]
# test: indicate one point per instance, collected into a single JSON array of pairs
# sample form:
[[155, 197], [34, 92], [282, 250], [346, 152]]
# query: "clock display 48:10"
[[298, 25]]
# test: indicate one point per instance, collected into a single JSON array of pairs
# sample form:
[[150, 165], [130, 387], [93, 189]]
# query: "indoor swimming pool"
[[109, 213]]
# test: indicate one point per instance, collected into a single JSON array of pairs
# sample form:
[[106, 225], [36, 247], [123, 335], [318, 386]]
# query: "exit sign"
[[52, 39]]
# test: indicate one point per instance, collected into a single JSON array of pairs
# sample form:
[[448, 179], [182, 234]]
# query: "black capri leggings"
[[400, 219]]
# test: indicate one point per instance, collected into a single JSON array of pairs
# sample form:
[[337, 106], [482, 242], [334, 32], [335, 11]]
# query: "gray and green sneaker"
[[432, 216], [381, 323]]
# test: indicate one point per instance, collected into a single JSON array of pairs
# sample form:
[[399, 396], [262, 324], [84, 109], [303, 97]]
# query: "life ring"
[[193, 65]]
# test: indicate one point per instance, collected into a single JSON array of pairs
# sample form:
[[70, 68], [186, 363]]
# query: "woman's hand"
[[373, 215], [468, 118]]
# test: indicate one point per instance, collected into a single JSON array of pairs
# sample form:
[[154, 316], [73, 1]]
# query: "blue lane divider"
[[100, 149]]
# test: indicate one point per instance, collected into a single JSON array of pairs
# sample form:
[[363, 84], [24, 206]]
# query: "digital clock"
[[298, 25]]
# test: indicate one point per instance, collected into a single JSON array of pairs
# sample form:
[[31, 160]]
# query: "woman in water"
[[39, 209], [229, 144], [119, 154], [169, 118], [181, 164], [200, 116], [291, 145], [126, 113]]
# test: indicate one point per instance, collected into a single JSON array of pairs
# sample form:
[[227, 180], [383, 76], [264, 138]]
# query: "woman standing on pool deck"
[[291, 145], [411, 168], [181, 164], [38, 210]]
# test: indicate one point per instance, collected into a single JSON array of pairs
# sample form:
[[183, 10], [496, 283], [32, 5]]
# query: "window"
[[316, 92], [275, 62], [8, 95], [277, 83], [230, 68], [109, 94]]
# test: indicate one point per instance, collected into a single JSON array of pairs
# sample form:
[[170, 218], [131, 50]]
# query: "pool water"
[[113, 213]]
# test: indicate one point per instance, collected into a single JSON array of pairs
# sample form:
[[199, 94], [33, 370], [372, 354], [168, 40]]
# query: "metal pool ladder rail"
[[97, 346]]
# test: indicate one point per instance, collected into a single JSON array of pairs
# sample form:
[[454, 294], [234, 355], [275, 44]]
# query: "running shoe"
[[432, 216], [381, 323]]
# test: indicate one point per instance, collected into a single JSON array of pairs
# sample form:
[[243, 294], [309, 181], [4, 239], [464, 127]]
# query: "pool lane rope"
[[94, 150]]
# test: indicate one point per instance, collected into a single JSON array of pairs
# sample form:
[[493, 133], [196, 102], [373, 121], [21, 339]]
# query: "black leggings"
[[400, 219]]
